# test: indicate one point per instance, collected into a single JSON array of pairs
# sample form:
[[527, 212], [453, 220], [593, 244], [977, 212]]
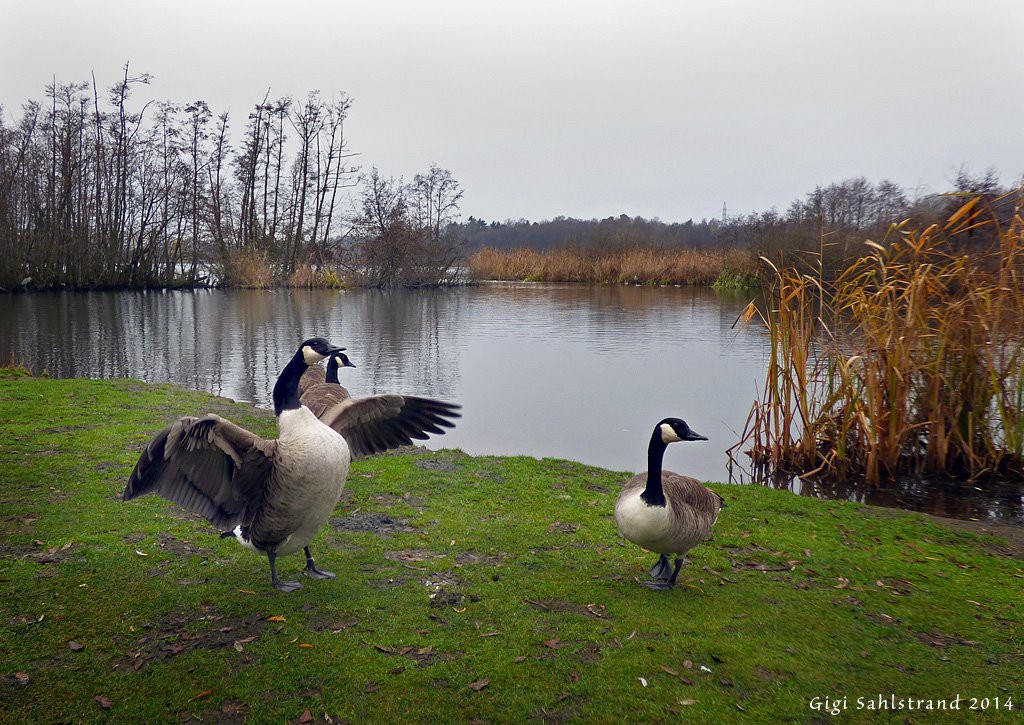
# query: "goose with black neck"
[[663, 511]]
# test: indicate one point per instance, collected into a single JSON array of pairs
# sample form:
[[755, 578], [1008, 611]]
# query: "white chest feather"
[[647, 526], [312, 462]]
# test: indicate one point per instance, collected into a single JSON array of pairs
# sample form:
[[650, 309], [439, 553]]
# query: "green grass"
[[535, 596]]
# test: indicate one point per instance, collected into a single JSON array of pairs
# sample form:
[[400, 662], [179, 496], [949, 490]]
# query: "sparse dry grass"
[[247, 268], [633, 266], [910, 363]]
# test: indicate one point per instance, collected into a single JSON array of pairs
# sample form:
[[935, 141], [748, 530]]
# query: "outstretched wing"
[[381, 422], [319, 398], [207, 465], [314, 375]]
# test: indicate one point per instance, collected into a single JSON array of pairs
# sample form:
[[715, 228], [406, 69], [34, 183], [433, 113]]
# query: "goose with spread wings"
[[274, 495]]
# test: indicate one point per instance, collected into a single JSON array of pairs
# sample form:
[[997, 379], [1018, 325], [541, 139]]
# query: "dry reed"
[[644, 266], [909, 363]]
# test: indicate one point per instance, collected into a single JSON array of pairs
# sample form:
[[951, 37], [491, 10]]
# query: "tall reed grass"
[[633, 266], [911, 362]]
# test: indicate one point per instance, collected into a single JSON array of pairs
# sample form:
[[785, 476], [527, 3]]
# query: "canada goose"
[[274, 495], [318, 398], [663, 511]]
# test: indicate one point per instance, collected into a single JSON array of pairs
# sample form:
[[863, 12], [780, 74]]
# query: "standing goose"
[[273, 496], [663, 511], [321, 396]]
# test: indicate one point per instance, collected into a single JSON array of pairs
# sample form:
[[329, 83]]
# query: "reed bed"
[[907, 364], [644, 266]]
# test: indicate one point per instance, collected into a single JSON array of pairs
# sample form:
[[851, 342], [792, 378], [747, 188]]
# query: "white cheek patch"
[[668, 434], [311, 356]]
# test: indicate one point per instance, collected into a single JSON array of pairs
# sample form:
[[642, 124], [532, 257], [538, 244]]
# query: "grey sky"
[[583, 109]]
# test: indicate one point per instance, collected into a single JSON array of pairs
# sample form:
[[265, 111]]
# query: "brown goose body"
[[314, 375], [690, 511]]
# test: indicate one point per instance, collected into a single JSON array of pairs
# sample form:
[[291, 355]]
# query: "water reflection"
[[545, 370]]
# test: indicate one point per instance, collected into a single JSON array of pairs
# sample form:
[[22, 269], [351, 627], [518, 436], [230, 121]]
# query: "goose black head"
[[316, 349], [672, 430], [341, 360]]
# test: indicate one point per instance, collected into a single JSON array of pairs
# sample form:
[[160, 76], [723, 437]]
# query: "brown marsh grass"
[[643, 266], [247, 268], [909, 363]]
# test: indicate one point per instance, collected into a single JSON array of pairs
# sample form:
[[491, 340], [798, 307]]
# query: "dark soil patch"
[[447, 598], [178, 546], [422, 655], [372, 521], [594, 611], [334, 625], [468, 557], [412, 556], [941, 639], [172, 635], [390, 499], [435, 464]]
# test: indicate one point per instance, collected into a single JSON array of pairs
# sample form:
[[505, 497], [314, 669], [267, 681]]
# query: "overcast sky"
[[582, 108]]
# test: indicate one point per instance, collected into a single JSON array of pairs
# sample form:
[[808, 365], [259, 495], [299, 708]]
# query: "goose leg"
[[675, 572], [278, 584], [660, 575], [311, 569]]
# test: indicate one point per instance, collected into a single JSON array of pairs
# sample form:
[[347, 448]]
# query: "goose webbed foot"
[[313, 571], [663, 576], [661, 571], [278, 584]]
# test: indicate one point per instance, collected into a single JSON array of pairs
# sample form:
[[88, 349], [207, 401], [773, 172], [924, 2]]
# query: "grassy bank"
[[468, 588], [729, 267]]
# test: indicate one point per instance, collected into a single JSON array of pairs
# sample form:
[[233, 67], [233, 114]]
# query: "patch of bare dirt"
[[372, 521], [410, 556], [178, 546], [442, 465], [464, 558], [422, 656], [597, 611], [179, 632]]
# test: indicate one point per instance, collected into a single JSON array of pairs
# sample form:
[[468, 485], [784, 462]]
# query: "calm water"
[[568, 371]]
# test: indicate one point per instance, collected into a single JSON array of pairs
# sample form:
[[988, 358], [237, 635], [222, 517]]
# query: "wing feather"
[[382, 422], [206, 465], [318, 398]]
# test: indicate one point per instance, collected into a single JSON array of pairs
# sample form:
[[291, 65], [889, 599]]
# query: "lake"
[[568, 371]]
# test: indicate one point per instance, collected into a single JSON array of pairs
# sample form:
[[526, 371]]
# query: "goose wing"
[[691, 492], [381, 422], [207, 465], [314, 375], [318, 398]]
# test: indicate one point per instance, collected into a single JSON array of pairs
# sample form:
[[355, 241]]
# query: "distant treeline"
[[99, 191], [836, 219]]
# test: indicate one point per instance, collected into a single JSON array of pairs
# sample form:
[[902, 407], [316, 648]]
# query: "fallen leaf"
[[306, 645], [201, 695], [686, 702], [479, 684], [22, 678], [396, 671], [276, 618], [490, 634], [688, 664], [517, 660], [371, 687], [552, 643], [246, 591], [669, 670], [685, 680], [103, 701], [705, 669], [425, 650], [642, 681], [140, 553], [305, 717], [75, 646]]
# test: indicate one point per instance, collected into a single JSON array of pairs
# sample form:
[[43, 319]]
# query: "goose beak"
[[695, 436], [334, 350], [349, 363]]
